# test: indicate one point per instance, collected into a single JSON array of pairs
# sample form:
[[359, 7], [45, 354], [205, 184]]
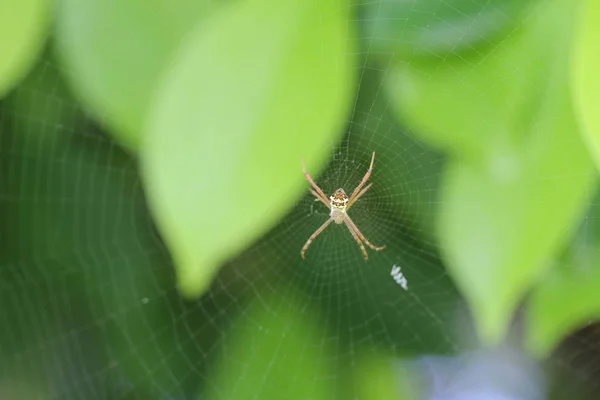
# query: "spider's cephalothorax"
[[338, 202]]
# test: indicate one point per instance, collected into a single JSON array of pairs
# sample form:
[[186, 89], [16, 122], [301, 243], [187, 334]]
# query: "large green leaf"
[[519, 174], [379, 376], [567, 297], [114, 52], [275, 351], [479, 105], [23, 26], [222, 159], [497, 231], [586, 76], [437, 28]]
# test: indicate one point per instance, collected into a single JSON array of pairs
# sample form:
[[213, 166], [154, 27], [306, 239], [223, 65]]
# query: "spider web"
[[88, 295]]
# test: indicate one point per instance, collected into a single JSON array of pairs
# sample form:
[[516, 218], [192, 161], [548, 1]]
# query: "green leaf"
[[115, 51], [23, 27], [476, 105], [519, 176], [585, 77], [378, 376], [437, 28], [275, 351], [222, 159], [496, 231], [567, 297]]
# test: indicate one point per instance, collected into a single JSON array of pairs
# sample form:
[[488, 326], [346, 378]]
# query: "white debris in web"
[[399, 277]]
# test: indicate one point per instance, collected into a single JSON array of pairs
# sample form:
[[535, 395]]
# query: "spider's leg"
[[360, 235], [364, 180], [314, 185], [355, 236], [313, 236], [319, 197], [358, 195]]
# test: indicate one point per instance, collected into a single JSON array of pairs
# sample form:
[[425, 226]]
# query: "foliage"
[[501, 218], [296, 110], [206, 109], [22, 32], [585, 81], [115, 71]]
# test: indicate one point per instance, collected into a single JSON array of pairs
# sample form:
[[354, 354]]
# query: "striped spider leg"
[[339, 204]]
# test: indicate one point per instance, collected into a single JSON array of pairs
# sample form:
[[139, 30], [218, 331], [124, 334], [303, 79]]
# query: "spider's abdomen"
[[338, 203], [338, 214]]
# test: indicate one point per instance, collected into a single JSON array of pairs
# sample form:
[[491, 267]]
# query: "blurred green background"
[[153, 207]]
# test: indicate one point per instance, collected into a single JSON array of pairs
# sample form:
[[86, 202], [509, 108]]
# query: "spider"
[[339, 204]]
